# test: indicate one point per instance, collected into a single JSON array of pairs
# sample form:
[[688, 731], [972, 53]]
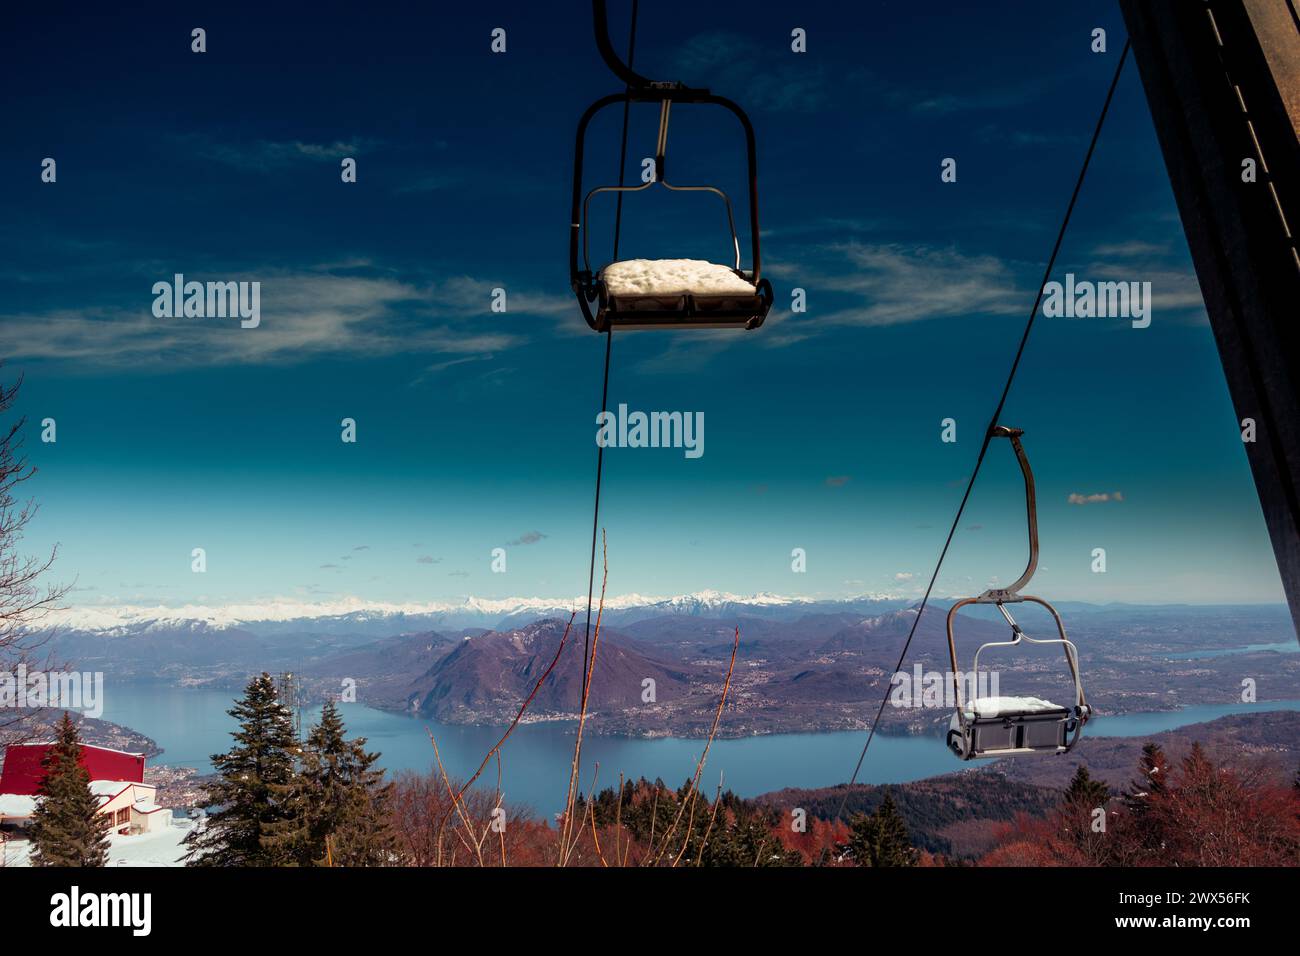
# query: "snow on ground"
[[160, 848], [672, 277]]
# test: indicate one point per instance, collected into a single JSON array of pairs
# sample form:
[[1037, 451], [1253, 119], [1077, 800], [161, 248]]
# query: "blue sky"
[[476, 430]]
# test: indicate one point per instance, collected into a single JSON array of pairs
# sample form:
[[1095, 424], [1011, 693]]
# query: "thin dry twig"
[[591, 809], [501, 799], [654, 816], [690, 822], [25, 602], [567, 829], [618, 818], [699, 766], [717, 801], [513, 724], [477, 847]]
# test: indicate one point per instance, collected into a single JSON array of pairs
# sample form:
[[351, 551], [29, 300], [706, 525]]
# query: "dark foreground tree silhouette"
[[880, 839], [247, 805], [67, 828]]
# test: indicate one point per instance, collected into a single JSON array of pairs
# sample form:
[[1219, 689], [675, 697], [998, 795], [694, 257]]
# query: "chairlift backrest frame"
[[641, 89], [1068, 646], [659, 179]]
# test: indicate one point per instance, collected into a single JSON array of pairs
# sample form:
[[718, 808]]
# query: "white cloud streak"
[[1095, 498], [306, 314]]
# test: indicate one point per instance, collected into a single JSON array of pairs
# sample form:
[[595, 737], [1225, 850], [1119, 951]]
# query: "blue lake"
[[192, 724]]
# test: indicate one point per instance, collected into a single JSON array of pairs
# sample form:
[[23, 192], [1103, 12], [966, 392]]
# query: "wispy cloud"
[[264, 154], [530, 537], [306, 314], [898, 283], [857, 283], [730, 62], [1174, 287], [837, 481], [1130, 248], [1095, 498]]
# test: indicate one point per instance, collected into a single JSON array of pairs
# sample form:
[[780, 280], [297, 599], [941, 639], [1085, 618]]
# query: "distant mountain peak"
[[354, 612]]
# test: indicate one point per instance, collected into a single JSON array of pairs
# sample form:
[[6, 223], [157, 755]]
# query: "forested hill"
[[956, 815], [1266, 740], [959, 815]]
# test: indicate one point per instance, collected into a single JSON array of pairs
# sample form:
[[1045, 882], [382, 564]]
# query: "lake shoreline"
[[596, 727]]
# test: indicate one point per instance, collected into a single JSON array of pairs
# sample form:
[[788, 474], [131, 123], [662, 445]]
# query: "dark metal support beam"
[[1223, 82]]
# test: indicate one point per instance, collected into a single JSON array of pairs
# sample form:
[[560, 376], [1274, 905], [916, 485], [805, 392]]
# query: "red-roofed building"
[[23, 770], [116, 778]]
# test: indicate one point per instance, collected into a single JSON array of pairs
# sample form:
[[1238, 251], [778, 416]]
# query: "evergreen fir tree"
[[67, 827], [1152, 780], [247, 804], [1084, 792], [881, 839], [1197, 765], [340, 797], [748, 839], [1146, 804]]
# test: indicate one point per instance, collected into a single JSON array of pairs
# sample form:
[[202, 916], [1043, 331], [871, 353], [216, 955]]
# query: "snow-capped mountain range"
[[355, 614]]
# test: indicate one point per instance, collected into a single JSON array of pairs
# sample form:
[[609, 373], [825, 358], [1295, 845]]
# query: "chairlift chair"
[[1012, 726], [663, 293]]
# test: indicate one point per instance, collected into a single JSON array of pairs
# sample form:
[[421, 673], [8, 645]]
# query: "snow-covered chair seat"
[[1005, 726], [654, 277], [1012, 707], [657, 292]]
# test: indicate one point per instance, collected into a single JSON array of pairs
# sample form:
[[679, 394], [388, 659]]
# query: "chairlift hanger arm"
[[998, 595], [600, 20], [633, 79]]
